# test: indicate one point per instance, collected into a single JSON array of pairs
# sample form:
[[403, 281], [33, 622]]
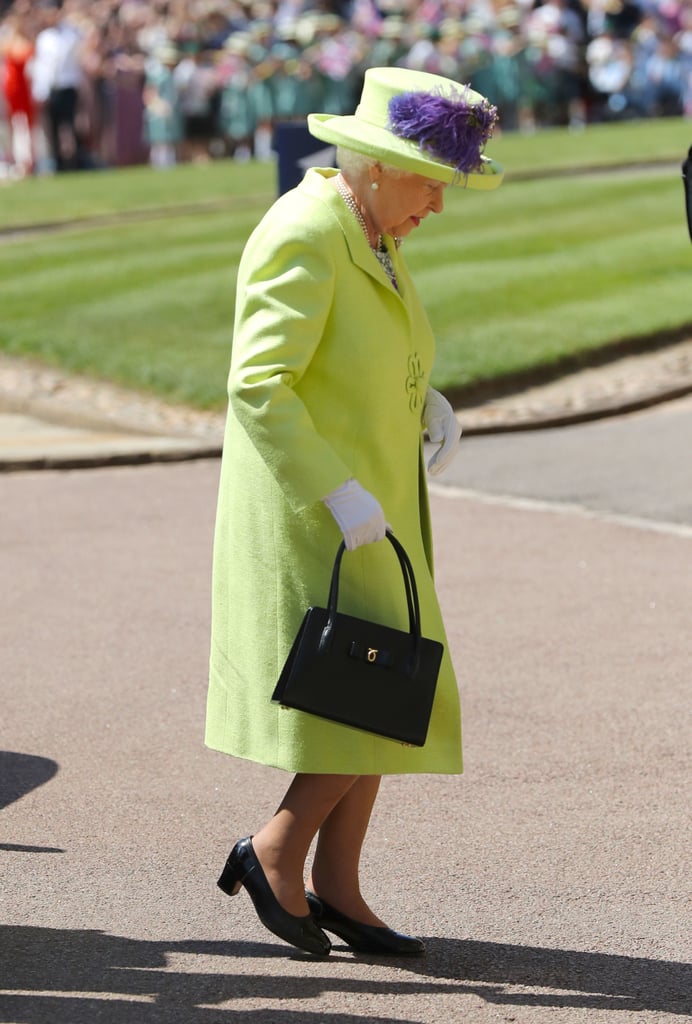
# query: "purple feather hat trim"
[[447, 127]]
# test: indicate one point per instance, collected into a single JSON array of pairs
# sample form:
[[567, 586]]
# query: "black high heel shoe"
[[243, 868], [364, 938]]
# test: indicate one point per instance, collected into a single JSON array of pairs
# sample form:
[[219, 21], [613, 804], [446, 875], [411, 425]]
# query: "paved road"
[[549, 881], [638, 465]]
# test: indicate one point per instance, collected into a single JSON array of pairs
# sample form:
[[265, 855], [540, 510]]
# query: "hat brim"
[[352, 132]]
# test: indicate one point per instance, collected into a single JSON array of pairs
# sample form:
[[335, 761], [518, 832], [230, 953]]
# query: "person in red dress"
[[17, 49]]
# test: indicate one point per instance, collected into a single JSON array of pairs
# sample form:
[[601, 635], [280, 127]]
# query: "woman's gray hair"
[[357, 164]]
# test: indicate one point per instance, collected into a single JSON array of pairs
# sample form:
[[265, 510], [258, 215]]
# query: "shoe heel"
[[230, 881]]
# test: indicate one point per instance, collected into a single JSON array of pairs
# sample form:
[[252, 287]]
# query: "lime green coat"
[[328, 374]]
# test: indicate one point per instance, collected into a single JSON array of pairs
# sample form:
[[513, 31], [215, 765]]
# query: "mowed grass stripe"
[[630, 236], [87, 269], [547, 216], [66, 197], [499, 289], [157, 244], [148, 310], [482, 351], [597, 145], [178, 348]]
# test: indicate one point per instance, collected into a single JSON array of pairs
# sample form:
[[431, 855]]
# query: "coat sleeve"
[[284, 295]]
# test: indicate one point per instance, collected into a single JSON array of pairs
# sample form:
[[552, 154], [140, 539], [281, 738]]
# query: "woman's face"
[[400, 203]]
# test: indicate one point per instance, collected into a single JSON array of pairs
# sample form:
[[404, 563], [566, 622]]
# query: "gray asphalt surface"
[[638, 465], [550, 881]]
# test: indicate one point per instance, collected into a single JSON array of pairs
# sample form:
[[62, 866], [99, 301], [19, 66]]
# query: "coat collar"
[[317, 183]]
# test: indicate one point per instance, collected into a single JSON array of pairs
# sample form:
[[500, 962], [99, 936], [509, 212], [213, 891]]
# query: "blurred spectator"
[[389, 42], [262, 66], [336, 51], [296, 83], [665, 71], [195, 82], [56, 78], [504, 68], [557, 34], [610, 64], [96, 103], [17, 49], [684, 38], [162, 117], [236, 117]]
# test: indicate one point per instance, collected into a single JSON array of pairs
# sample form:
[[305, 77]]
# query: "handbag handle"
[[412, 601], [409, 584]]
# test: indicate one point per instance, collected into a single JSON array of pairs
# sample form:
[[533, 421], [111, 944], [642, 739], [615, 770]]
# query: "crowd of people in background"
[[101, 83]]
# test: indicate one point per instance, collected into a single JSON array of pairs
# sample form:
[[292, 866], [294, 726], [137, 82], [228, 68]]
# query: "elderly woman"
[[328, 401]]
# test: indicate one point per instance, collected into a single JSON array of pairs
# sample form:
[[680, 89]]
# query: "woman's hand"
[[442, 426], [358, 513]]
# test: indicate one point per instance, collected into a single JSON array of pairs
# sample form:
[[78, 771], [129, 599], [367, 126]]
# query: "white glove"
[[442, 426], [358, 513]]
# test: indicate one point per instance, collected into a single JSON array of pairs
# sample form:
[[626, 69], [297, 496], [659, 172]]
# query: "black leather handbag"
[[361, 673]]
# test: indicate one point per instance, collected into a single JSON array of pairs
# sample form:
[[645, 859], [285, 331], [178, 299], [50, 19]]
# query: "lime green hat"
[[418, 122]]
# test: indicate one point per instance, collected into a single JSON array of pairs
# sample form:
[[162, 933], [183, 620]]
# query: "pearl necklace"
[[380, 250], [350, 200]]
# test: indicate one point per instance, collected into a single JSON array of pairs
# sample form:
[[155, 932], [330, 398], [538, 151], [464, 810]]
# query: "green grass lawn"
[[600, 145], [541, 273]]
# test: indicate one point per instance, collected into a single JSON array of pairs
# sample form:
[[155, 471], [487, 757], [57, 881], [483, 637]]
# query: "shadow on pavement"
[[24, 848], [79, 976], [599, 981], [20, 773]]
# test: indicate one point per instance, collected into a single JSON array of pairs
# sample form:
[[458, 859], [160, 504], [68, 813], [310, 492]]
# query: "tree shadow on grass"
[[80, 976]]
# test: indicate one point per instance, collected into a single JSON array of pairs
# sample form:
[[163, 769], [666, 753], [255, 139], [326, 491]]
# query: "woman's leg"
[[334, 874], [282, 844]]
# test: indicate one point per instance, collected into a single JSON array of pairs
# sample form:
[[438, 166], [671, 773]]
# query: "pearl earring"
[[374, 186]]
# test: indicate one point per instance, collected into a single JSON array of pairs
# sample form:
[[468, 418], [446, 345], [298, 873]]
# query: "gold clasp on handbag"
[[372, 654]]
